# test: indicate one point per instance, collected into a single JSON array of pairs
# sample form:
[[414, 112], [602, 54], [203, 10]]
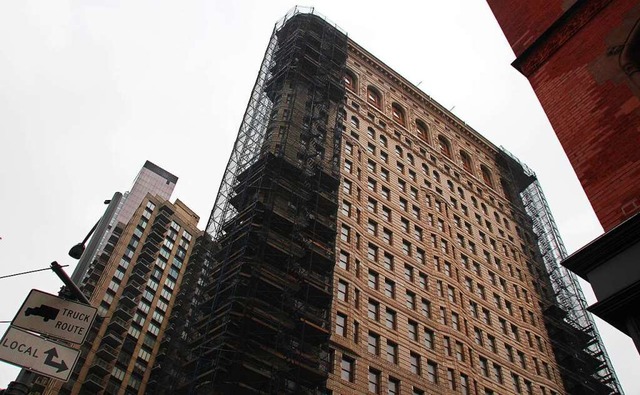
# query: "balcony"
[[122, 313], [128, 302], [112, 339], [155, 236], [107, 352], [100, 367], [146, 256], [117, 325], [162, 219], [93, 383]]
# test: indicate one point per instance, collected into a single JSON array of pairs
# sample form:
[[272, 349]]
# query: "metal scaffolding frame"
[[265, 319], [566, 289]]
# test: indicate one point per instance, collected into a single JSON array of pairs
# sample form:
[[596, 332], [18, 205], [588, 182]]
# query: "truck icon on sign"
[[46, 312]]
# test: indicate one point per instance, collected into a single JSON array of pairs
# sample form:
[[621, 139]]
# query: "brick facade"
[[576, 65]]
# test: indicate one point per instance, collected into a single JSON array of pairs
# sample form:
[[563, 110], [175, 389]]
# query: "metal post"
[[100, 229], [21, 385], [71, 288]]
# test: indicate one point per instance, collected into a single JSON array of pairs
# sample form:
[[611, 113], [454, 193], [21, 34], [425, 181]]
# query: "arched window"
[[373, 97], [423, 130], [445, 146], [398, 113], [350, 81], [486, 176], [466, 161]]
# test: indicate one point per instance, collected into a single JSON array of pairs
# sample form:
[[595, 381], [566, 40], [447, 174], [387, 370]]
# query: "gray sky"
[[91, 89]]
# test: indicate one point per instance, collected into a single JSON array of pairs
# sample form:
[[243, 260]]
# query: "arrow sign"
[[37, 354], [51, 354]]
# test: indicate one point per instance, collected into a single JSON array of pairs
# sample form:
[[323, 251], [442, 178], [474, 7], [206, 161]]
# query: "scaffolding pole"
[[567, 292]]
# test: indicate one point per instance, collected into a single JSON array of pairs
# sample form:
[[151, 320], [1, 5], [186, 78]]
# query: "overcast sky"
[[91, 89]]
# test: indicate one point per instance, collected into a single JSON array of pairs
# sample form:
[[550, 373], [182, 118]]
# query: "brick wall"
[[524, 21], [593, 105]]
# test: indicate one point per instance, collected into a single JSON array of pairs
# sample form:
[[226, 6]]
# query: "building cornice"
[[616, 308], [552, 39], [422, 97], [605, 247]]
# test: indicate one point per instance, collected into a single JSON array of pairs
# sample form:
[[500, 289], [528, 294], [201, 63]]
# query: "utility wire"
[[30, 271]]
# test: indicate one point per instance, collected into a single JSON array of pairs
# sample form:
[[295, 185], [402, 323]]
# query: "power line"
[[29, 272]]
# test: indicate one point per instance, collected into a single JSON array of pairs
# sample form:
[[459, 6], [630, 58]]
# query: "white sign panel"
[[56, 317], [37, 354]]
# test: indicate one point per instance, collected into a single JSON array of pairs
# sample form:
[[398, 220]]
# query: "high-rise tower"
[[133, 283], [367, 240], [150, 179]]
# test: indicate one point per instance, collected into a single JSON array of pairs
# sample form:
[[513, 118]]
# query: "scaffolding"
[[264, 323], [583, 360]]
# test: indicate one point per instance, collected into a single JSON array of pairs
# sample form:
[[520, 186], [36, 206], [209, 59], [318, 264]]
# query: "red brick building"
[[582, 58], [583, 61]]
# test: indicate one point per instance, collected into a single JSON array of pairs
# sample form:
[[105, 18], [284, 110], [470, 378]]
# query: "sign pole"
[[21, 385], [73, 288]]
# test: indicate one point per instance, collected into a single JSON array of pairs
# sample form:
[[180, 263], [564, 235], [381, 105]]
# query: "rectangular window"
[[408, 273], [459, 351], [373, 279], [373, 343], [387, 236], [484, 367], [412, 328], [451, 293], [344, 260], [451, 379], [341, 322], [497, 373], [464, 384], [388, 261], [426, 308], [406, 247], [346, 186], [429, 339], [346, 208], [374, 381], [446, 343], [455, 321], [343, 291], [372, 252], [432, 372], [390, 318], [389, 289], [373, 310], [372, 227], [372, 205], [345, 234], [516, 383], [411, 300], [392, 352], [414, 360], [347, 369], [393, 387]]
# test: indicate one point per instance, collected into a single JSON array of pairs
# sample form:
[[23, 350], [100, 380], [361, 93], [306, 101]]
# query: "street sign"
[[37, 354], [56, 317]]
